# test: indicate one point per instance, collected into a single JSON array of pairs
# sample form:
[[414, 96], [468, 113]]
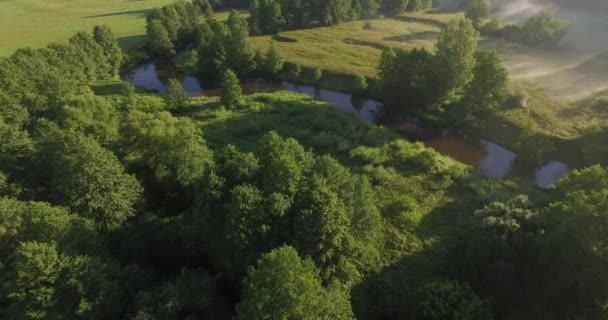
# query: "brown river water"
[[492, 159]]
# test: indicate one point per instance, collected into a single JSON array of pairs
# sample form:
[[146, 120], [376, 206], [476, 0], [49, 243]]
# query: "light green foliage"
[[172, 149], [176, 95], [544, 28], [359, 83], [283, 286], [93, 116], [36, 221], [231, 90], [46, 284], [159, 40], [318, 74], [94, 52], [446, 299], [106, 39], [455, 60], [478, 11]]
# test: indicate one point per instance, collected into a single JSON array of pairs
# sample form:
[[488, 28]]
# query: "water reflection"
[[492, 159]]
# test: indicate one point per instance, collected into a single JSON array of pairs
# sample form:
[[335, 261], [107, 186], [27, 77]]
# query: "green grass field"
[[35, 23], [560, 83]]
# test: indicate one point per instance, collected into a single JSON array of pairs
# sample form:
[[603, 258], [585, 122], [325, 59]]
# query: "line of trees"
[[270, 16], [456, 75]]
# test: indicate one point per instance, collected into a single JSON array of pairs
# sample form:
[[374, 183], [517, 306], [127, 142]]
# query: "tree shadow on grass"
[[140, 13], [432, 22], [424, 35], [132, 41]]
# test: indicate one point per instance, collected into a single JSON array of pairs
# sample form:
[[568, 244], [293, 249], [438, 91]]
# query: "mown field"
[[35, 23]]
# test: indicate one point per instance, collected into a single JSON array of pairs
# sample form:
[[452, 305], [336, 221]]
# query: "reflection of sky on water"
[[493, 160]]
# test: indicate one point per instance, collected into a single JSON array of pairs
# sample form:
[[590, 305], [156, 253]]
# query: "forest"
[[117, 202]]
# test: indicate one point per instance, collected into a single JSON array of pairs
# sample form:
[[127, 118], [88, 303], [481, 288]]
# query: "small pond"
[[492, 159]]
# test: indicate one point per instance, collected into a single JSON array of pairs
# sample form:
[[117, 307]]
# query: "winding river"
[[492, 159]]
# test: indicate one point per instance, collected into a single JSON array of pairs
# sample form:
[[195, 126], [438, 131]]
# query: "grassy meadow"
[[35, 23], [560, 85]]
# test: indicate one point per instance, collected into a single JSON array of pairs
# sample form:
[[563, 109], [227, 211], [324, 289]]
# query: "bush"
[[359, 83], [295, 71], [317, 75], [543, 28], [492, 28]]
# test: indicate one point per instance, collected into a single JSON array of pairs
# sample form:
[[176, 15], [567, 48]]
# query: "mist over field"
[[578, 66]]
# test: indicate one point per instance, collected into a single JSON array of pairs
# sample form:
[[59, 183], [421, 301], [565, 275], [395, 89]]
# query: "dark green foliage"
[[159, 40], [228, 48], [106, 39], [394, 7], [231, 90], [406, 78], [86, 177], [204, 6], [419, 5], [489, 88], [272, 62], [451, 300], [543, 28], [295, 71], [478, 11], [176, 95]]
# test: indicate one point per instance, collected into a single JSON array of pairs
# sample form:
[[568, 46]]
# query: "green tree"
[[317, 75], [478, 11], [446, 299], [455, 60], [205, 7], [489, 88], [176, 95], [171, 149], [359, 83], [158, 39], [94, 52], [295, 71], [106, 39], [87, 178], [544, 28], [231, 90], [273, 62], [283, 286], [46, 284], [394, 7]]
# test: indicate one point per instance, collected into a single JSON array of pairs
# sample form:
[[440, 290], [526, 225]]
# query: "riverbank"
[[492, 159]]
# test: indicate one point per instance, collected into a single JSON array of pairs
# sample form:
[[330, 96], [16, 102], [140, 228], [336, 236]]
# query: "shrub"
[[543, 28], [359, 83], [317, 75], [295, 71]]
